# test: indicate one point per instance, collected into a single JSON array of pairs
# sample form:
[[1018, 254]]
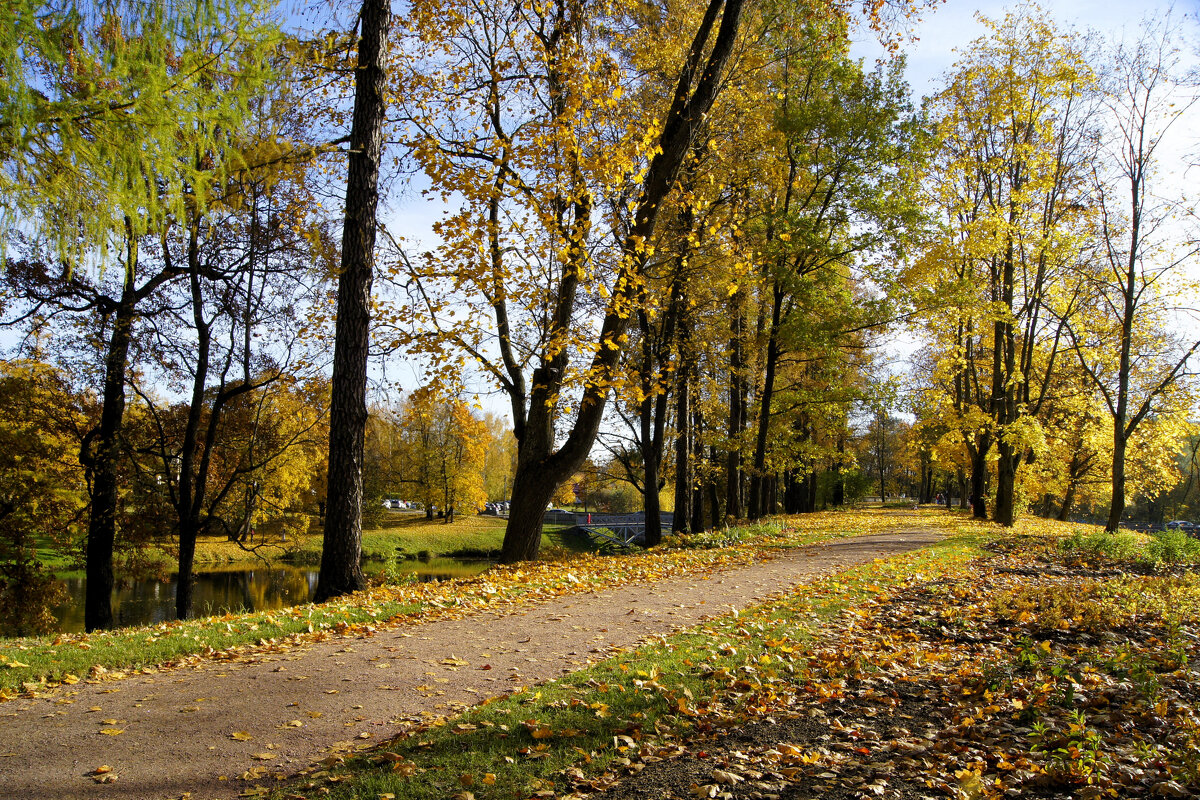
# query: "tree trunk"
[[650, 504], [697, 430], [1116, 508], [101, 459], [839, 482], [681, 520], [100, 456], [1064, 513], [532, 490], [187, 556], [757, 476], [979, 480], [540, 467], [733, 464], [1006, 488], [341, 572]]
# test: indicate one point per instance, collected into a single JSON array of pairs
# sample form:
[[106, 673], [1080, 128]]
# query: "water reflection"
[[146, 602]]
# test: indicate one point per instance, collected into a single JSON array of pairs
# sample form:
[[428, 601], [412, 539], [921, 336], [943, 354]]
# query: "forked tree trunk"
[[541, 468]]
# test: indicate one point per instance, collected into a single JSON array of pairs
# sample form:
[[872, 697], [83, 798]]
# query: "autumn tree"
[[42, 492], [523, 118], [253, 262], [443, 446], [837, 200], [1017, 136], [1125, 343]]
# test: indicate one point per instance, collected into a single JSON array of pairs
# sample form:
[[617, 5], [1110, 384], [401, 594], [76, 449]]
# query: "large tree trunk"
[[101, 456], [341, 572], [1064, 511], [1116, 508], [979, 479], [185, 581], [1006, 486], [532, 490]]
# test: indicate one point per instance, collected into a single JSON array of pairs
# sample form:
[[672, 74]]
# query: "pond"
[[235, 589]]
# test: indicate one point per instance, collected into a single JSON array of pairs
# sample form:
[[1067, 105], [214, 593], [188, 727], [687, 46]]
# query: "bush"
[[1172, 547], [1111, 546]]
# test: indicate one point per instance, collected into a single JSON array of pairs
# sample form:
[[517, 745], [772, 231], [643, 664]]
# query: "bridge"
[[620, 530]]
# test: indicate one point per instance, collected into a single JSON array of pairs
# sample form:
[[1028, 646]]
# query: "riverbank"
[[397, 534]]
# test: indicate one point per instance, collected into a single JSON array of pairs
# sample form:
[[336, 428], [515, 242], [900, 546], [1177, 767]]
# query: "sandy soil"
[[289, 709]]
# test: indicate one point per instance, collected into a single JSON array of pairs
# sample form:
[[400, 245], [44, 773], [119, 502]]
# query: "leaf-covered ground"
[[1024, 676]]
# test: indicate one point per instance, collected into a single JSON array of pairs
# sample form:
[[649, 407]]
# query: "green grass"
[[521, 744]]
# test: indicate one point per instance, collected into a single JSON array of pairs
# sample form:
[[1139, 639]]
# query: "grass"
[[1086, 685]]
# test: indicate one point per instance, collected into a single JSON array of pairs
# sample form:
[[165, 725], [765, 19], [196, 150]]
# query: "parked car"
[[1190, 528]]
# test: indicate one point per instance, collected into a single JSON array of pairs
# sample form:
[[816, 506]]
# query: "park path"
[[289, 709]]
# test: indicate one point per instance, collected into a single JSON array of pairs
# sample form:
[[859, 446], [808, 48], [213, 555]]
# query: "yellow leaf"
[[240, 736], [15, 665], [112, 731]]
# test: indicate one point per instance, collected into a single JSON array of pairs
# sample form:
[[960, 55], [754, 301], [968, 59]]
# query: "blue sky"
[[953, 25]]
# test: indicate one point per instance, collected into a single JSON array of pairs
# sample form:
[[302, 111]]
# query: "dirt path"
[[289, 709]]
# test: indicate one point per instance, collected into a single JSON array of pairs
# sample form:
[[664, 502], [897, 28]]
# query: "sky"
[[952, 26]]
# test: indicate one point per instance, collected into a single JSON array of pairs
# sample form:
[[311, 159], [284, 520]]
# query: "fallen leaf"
[[240, 736]]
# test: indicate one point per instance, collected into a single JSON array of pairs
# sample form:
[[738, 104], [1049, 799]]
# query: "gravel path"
[[199, 729]]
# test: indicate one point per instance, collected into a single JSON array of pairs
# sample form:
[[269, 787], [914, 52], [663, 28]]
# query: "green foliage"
[[1159, 548], [1111, 546], [1172, 547], [109, 115]]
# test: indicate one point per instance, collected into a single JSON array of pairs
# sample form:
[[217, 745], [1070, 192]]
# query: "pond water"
[[146, 602]]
